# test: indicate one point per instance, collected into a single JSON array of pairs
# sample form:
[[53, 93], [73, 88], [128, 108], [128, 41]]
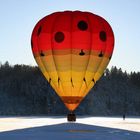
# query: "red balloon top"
[[72, 30]]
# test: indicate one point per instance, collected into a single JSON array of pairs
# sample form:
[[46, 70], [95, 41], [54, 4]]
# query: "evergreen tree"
[[24, 91]]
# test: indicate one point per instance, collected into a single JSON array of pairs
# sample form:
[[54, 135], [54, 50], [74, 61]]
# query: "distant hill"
[[24, 91]]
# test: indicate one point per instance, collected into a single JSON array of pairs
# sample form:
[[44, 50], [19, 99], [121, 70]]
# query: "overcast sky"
[[18, 18]]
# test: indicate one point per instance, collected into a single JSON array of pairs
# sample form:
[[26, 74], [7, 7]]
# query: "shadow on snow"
[[69, 131]]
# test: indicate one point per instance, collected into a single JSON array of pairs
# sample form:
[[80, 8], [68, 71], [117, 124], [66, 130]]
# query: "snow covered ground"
[[57, 128]]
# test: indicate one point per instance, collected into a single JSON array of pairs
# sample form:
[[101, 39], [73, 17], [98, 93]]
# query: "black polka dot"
[[110, 57], [82, 25], [59, 37], [82, 53], [31, 43], [39, 31], [102, 36], [42, 54], [100, 54]]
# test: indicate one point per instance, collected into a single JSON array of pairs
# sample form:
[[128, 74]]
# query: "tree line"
[[24, 91]]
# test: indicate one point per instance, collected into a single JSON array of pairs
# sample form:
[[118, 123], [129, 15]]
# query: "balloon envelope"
[[72, 49]]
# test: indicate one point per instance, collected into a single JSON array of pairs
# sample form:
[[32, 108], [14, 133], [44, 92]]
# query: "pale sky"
[[18, 18]]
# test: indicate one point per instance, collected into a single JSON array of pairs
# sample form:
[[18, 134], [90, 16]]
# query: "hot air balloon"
[[72, 49]]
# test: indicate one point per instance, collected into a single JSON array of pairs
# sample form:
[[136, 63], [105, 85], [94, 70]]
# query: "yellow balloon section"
[[72, 49]]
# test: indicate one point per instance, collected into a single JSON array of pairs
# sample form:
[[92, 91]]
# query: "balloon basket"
[[71, 117]]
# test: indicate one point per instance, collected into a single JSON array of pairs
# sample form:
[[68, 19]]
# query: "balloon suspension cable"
[[85, 81], [72, 82], [50, 80], [93, 81], [58, 81]]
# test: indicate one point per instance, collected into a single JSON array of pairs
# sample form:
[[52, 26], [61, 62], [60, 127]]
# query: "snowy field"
[[57, 128]]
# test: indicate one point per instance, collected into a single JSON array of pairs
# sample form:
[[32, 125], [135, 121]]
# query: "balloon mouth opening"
[[71, 107], [71, 102]]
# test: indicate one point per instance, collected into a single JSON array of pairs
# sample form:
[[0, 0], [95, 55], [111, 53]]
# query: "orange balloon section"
[[72, 49]]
